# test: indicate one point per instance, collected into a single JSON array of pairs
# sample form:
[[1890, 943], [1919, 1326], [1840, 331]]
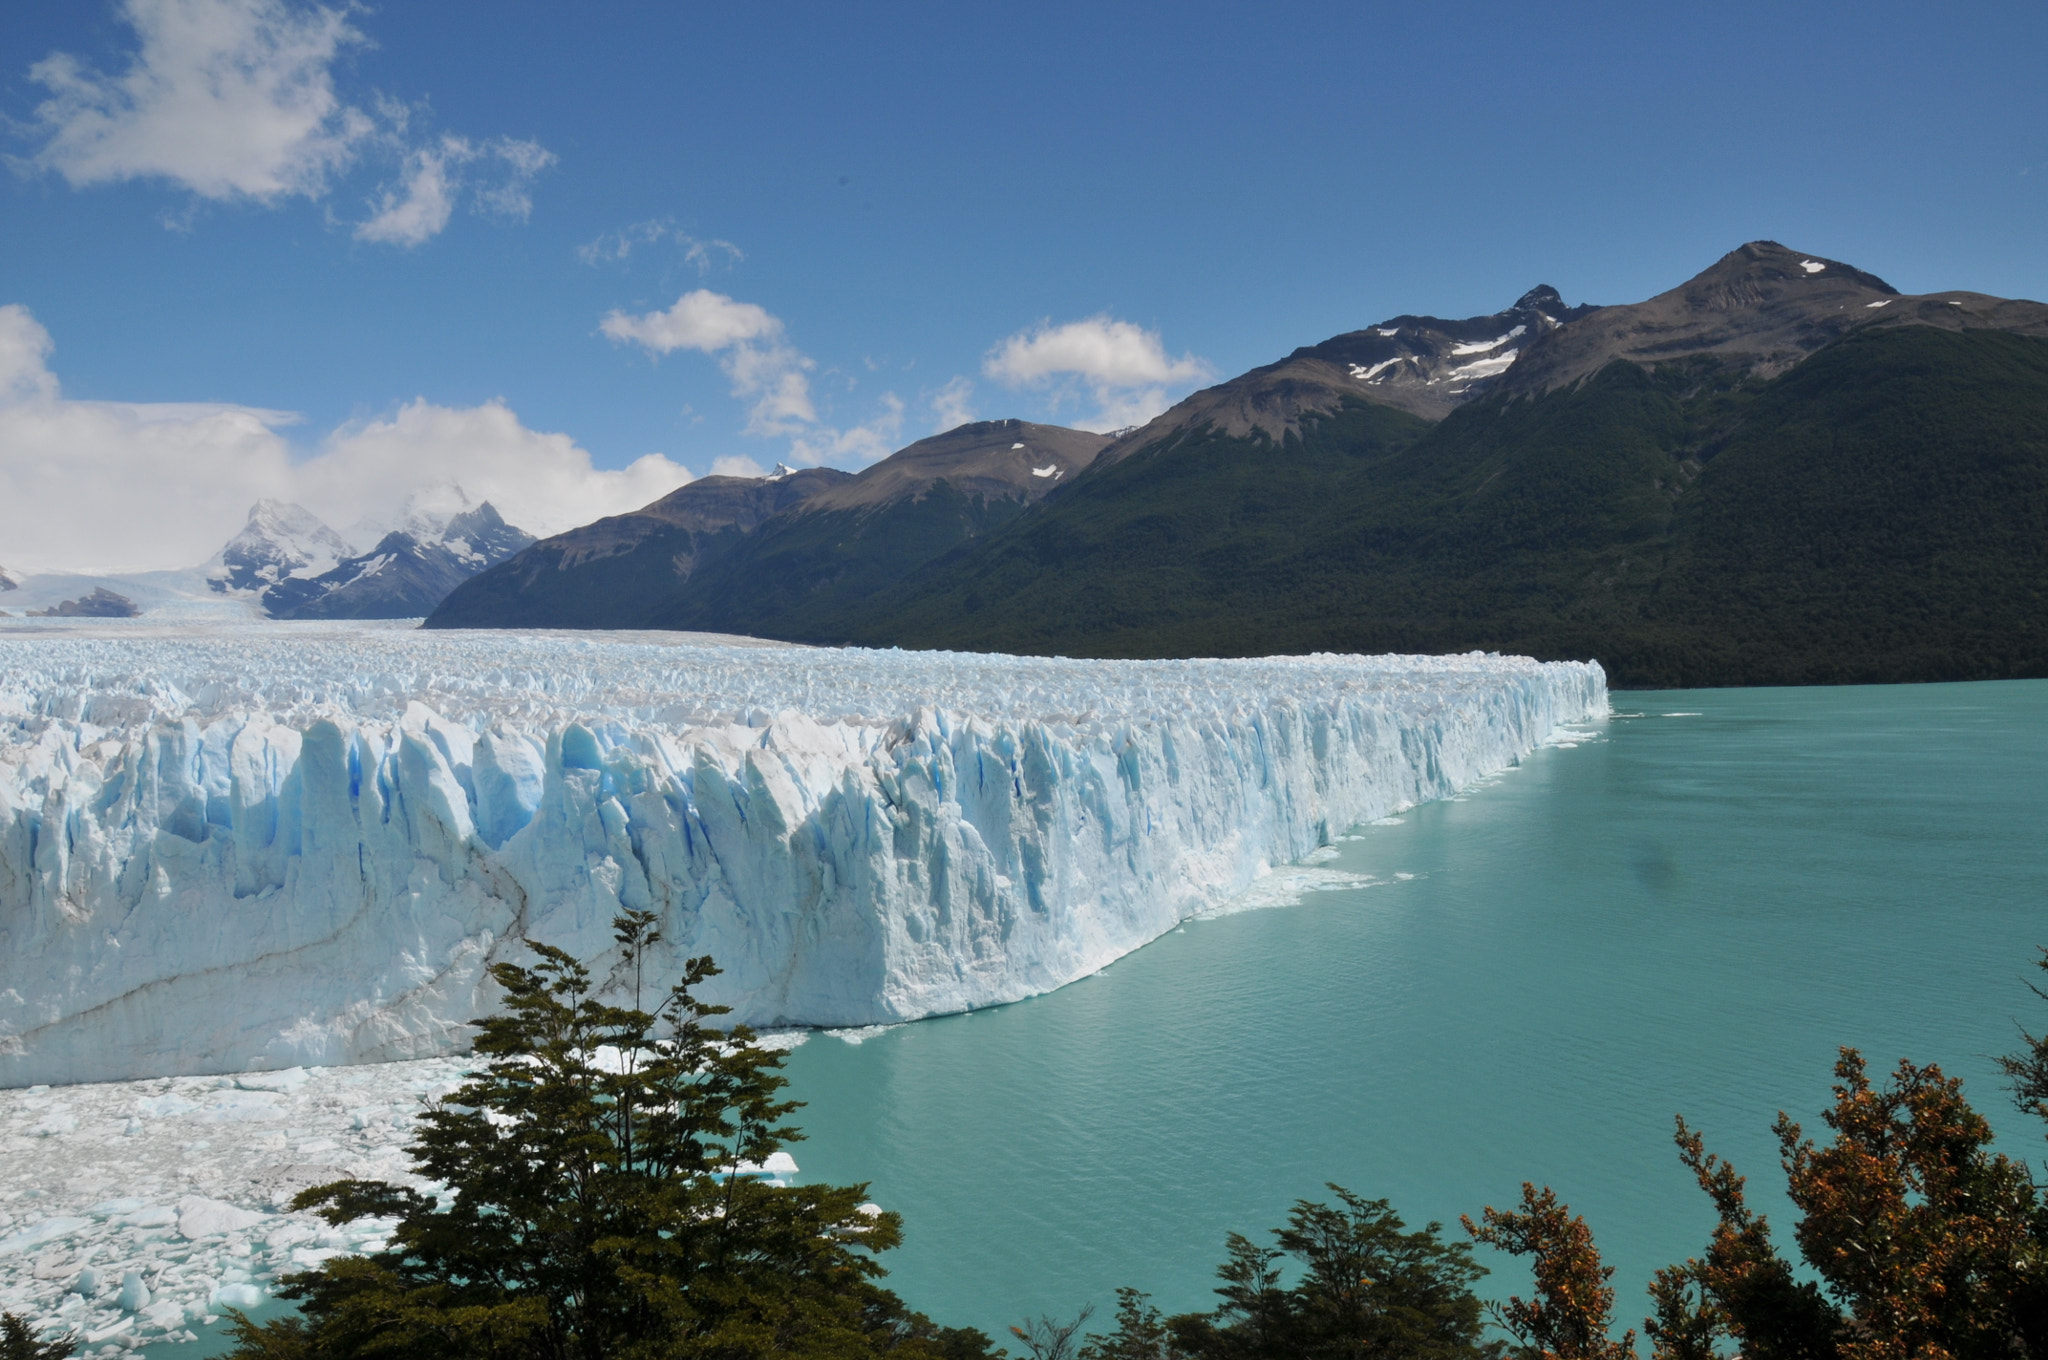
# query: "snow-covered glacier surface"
[[270, 846]]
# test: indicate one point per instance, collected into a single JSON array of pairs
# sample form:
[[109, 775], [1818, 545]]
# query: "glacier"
[[240, 848]]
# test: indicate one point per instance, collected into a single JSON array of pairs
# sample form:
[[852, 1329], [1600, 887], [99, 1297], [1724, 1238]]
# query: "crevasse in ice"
[[261, 848]]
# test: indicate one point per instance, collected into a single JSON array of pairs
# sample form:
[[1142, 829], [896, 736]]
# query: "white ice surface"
[[277, 846], [1812, 266], [181, 1185]]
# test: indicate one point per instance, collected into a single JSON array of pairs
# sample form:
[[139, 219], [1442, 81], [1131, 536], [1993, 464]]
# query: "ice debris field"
[[288, 854], [264, 847], [135, 1212]]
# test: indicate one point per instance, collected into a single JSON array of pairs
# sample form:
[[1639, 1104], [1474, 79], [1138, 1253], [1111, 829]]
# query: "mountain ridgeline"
[[1781, 472]]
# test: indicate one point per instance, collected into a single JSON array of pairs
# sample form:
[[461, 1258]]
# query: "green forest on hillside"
[[1877, 513]]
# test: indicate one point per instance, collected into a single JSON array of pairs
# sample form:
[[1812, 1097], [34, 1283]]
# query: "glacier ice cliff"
[[265, 847]]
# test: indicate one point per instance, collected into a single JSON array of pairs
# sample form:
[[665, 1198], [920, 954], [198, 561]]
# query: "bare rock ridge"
[[698, 557], [1769, 306], [1424, 365]]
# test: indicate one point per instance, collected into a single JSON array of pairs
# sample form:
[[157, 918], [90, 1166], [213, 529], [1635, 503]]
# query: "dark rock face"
[[101, 604], [746, 554], [405, 576]]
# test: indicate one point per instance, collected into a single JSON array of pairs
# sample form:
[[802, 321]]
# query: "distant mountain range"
[[1782, 471], [286, 563]]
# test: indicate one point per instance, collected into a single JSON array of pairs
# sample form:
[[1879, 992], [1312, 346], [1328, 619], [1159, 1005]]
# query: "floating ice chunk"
[[202, 1217], [39, 1233], [1812, 266], [242, 1296], [134, 1293], [287, 1081]]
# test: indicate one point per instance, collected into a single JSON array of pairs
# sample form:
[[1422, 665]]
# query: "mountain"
[[406, 575], [8, 581], [1783, 471], [784, 555], [1762, 477], [281, 540], [101, 603]]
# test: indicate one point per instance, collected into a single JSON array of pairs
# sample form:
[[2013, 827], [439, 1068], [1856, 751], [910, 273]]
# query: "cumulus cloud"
[[235, 100], [122, 486], [226, 98], [763, 367], [952, 406], [1125, 367], [737, 465]]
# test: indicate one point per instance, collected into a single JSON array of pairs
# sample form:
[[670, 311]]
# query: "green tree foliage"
[[1879, 512], [1568, 1319], [18, 1341], [592, 1207], [1365, 1287]]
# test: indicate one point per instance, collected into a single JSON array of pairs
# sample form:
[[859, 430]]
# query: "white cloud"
[[227, 98], [615, 247], [235, 100], [864, 443], [701, 320], [762, 366], [952, 405], [118, 486], [434, 176], [544, 483], [737, 465], [1126, 367]]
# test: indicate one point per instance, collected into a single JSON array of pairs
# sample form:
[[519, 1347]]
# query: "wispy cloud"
[[435, 177], [704, 253], [1125, 367], [763, 367], [952, 405], [236, 101]]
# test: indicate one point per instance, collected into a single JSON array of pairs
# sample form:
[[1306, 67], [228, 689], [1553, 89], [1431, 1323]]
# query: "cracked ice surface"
[[263, 847], [181, 1185]]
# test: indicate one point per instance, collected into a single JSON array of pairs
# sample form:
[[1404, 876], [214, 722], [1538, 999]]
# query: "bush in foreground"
[[596, 1204]]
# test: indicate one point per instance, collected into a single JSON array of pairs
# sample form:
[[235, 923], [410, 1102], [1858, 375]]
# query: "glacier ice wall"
[[266, 847]]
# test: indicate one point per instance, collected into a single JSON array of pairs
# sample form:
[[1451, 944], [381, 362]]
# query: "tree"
[[1928, 1242], [1367, 1287], [18, 1341], [598, 1203], [1569, 1317], [1742, 1289]]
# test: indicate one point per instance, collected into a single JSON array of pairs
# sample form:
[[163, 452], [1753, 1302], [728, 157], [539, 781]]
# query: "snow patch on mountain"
[[280, 541], [266, 848]]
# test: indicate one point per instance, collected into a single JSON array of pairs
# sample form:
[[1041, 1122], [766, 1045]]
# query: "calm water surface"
[[1688, 914]]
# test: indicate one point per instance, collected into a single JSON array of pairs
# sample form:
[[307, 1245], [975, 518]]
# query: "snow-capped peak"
[[781, 470], [280, 541], [9, 581]]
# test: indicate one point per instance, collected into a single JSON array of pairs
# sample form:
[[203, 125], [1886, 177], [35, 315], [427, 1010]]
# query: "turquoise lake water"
[[1687, 914]]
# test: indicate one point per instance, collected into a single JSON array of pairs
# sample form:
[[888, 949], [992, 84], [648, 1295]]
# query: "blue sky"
[[567, 255]]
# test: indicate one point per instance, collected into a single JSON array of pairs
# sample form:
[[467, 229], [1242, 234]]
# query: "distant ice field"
[[245, 847]]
